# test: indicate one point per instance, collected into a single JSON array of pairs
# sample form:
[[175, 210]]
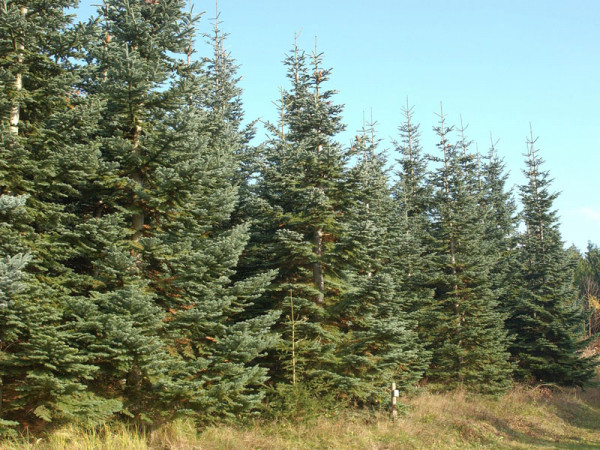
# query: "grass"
[[522, 418]]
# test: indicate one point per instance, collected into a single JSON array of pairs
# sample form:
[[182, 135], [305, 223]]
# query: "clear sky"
[[501, 64]]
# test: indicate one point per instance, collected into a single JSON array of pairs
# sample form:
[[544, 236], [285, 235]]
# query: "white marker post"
[[395, 395]]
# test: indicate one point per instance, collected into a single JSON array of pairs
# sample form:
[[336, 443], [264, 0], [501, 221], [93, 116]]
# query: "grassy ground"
[[523, 418]]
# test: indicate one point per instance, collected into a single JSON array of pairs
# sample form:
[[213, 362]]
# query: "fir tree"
[[413, 199], [11, 277], [225, 105], [545, 322], [47, 155], [169, 143], [379, 345], [219, 341], [500, 224], [470, 340], [298, 196]]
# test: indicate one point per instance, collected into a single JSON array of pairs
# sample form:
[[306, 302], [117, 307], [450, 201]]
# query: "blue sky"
[[501, 64]]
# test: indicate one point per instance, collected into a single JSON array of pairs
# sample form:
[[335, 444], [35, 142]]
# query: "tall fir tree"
[[225, 104], [132, 67], [413, 199], [298, 199], [165, 325], [48, 155], [227, 371], [470, 344], [501, 226], [545, 321], [379, 343]]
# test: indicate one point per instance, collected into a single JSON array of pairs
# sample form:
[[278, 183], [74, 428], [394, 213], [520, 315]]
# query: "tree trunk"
[[15, 110], [137, 220], [317, 267]]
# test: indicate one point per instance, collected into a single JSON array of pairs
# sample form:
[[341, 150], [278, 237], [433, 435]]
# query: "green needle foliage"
[[48, 156], [412, 260], [501, 226], [470, 343], [545, 321], [155, 262], [297, 204], [170, 138], [380, 344]]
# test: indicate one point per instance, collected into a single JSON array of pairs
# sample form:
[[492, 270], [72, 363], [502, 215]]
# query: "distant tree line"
[[156, 263]]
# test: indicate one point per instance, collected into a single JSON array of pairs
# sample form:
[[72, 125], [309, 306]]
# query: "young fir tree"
[[413, 197], [545, 322], [224, 103], [166, 324], [469, 346], [298, 200], [220, 341], [500, 224], [379, 344], [47, 155]]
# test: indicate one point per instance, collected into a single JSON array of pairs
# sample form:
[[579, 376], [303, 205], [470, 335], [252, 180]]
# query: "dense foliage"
[[154, 264]]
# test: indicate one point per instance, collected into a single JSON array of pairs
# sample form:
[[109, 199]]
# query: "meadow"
[[541, 417]]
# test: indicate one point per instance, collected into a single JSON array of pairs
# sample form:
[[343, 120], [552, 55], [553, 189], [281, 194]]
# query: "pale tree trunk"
[[137, 220], [319, 280], [293, 323], [15, 111], [452, 245], [318, 277]]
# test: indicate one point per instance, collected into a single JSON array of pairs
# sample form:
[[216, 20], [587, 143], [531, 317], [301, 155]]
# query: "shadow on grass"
[[579, 415], [538, 437]]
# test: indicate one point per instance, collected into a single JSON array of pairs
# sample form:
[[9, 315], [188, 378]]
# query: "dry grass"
[[523, 418]]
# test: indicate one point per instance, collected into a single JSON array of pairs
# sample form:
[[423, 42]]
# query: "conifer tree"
[[413, 198], [47, 155], [225, 104], [500, 224], [470, 341], [11, 282], [168, 145], [224, 367], [545, 322], [130, 71], [379, 344], [298, 196]]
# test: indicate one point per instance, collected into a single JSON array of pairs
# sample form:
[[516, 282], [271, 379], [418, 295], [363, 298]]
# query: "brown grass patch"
[[522, 418]]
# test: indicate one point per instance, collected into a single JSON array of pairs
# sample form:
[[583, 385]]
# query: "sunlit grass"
[[522, 418]]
